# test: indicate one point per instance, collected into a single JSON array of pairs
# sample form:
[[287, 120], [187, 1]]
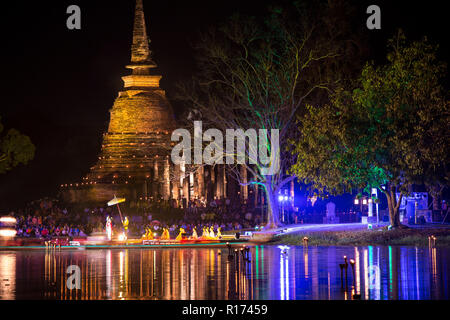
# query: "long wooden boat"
[[129, 244]]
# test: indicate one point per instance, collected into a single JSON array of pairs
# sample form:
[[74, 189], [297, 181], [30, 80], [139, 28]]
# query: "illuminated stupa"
[[134, 160]]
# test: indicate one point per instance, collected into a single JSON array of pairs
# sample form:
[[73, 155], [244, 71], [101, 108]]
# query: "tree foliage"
[[15, 149], [259, 73], [391, 130]]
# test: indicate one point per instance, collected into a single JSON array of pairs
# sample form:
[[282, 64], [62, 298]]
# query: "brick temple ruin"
[[134, 161]]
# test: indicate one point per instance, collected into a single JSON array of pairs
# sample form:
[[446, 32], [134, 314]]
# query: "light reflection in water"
[[108, 273], [282, 278], [417, 273], [189, 274], [7, 276], [357, 274], [305, 257], [366, 275]]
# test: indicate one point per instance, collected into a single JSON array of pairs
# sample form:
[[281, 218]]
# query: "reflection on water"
[[297, 273]]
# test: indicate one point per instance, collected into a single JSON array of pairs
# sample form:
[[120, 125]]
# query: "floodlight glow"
[[8, 220], [8, 233], [356, 201], [280, 198]]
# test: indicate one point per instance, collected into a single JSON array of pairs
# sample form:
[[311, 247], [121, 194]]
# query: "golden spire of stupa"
[[140, 52], [141, 60]]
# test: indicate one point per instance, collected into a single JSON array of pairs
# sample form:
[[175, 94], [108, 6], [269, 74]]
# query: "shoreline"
[[379, 236]]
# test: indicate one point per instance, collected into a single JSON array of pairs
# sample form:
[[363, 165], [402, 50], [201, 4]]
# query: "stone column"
[[201, 182], [186, 188], [176, 182], [224, 174], [166, 181], [212, 171], [191, 185], [219, 181], [155, 184]]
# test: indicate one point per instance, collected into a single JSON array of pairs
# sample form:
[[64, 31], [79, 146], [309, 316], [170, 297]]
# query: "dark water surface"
[[300, 273]]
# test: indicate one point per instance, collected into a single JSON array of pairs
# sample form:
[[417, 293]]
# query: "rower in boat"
[[219, 234], [125, 226], [180, 235], [205, 234], [211, 233], [165, 235], [194, 234], [148, 234]]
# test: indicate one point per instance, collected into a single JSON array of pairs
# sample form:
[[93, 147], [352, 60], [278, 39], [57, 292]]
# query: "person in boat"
[[211, 233], [109, 228], [205, 234], [165, 235], [219, 234], [194, 234], [148, 234], [125, 225], [180, 235]]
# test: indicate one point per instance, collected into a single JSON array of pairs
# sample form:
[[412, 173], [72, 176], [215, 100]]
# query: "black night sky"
[[59, 84]]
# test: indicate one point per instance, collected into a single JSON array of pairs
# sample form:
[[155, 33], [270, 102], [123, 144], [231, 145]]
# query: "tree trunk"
[[436, 202], [435, 191], [394, 208], [273, 214]]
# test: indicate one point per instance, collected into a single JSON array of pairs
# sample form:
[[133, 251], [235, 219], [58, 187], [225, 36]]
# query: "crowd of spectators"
[[45, 219], [49, 218]]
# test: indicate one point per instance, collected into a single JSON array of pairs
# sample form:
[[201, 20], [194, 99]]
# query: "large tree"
[[389, 132], [15, 149], [259, 73]]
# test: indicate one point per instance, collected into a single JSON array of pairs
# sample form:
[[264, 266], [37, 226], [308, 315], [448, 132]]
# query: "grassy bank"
[[405, 237]]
